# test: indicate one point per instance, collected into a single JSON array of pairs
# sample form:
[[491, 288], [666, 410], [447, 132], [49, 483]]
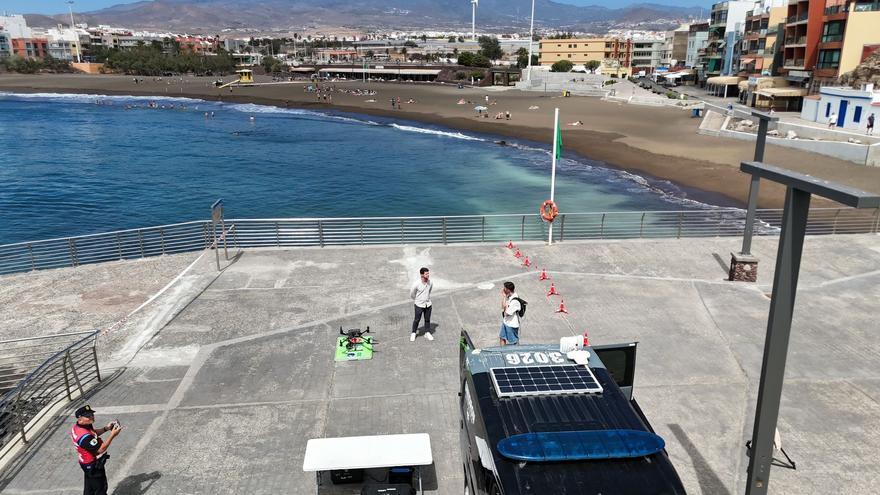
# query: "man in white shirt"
[[421, 296], [510, 308]]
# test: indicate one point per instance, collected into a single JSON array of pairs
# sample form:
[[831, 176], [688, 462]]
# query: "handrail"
[[66, 375], [313, 231]]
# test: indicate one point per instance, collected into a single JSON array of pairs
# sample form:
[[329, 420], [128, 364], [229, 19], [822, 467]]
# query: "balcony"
[[867, 7], [797, 18], [796, 41], [794, 63]]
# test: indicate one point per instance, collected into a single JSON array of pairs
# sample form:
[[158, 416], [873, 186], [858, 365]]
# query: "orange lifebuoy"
[[549, 211]]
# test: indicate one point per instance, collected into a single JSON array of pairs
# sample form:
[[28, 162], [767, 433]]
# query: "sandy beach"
[[661, 143]]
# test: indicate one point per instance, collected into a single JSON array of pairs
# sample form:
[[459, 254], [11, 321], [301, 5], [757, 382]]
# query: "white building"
[[65, 43], [851, 107], [15, 26], [648, 52]]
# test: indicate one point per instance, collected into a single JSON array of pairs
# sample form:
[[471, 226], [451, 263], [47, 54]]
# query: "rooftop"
[[224, 373]]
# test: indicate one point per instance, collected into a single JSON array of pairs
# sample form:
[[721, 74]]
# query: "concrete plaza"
[[222, 378]]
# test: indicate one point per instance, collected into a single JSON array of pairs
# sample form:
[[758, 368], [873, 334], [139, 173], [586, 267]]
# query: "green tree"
[[369, 54], [452, 39], [522, 58], [592, 65], [490, 47], [466, 59], [561, 66], [411, 44]]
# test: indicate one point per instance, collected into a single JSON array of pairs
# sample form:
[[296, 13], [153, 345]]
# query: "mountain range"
[[300, 15]]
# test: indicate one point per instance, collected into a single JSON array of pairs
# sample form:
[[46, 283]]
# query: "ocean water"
[[80, 164]]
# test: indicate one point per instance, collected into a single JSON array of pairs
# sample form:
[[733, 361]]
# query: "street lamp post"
[[531, 38], [73, 29]]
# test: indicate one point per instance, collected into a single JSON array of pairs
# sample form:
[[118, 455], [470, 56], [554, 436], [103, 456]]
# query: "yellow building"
[[862, 30], [579, 51]]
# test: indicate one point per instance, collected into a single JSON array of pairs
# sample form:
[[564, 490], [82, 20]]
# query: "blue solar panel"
[[544, 380]]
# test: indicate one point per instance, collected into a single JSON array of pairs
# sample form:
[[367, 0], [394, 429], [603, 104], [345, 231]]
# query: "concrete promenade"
[[222, 378]]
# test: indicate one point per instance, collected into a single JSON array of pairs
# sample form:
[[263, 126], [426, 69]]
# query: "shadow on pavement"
[[137, 484], [706, 476]]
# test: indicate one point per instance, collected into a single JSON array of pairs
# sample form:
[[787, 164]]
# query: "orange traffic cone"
[[562, 307], [517, 254], [509, 244], [527, 263], [543, 275], [552, 291]]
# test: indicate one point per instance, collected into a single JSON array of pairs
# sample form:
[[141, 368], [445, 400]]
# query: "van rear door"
[[620, 361]]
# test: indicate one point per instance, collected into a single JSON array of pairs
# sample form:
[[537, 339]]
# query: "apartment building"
[[647, 54], [676, 46], [698, 36], [850, 31], [5, 44], [579, 51], [30, 47], [726, 26], [761, 43]]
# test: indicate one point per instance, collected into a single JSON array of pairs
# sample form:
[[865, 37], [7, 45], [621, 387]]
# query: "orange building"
[[30, 47], [803, 30]]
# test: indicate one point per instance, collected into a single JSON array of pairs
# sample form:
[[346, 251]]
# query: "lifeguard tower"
[[245, 76]]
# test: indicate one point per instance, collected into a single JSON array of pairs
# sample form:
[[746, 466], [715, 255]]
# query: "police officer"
[[91, 449]]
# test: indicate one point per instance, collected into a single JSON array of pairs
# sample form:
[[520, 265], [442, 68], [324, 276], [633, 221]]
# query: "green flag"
[[557, 148]]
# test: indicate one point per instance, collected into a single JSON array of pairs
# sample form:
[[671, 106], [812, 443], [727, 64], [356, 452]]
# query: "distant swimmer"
[[252, 118], [206, 115], [501, 143], [577, 122]]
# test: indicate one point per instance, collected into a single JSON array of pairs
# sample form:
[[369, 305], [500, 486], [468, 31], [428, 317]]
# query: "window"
[[857, 115], [833, 31], [575, 45], [828, 59]]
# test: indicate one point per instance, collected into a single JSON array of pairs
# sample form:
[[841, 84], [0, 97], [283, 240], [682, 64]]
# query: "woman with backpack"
[[512, 310]]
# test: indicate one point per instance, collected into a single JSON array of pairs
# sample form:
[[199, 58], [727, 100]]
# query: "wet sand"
[[660, 143]]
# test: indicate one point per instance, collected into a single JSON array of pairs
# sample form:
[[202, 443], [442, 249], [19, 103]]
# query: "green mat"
[[359, 352]]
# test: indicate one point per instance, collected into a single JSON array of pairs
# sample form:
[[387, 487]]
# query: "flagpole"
[[553, 167]]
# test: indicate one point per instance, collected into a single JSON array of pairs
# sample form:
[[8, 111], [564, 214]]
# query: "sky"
[[59, 6]]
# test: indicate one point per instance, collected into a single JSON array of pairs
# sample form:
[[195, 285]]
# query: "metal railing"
[[108, 246], [41, 374], [287, 232]]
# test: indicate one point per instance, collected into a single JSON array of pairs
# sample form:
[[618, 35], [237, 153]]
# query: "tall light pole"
[[474, 19], [531, 38], [75, 35]]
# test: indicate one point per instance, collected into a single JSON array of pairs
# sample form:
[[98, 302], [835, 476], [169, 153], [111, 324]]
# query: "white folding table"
[[368, 452]]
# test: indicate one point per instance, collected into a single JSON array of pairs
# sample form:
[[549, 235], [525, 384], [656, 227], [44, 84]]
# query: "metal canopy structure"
[[800, 188]]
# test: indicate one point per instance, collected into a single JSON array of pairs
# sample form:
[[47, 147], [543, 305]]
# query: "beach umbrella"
[[481, 108]]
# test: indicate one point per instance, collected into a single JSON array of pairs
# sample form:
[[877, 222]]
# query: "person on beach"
[[507, 115], [421, 296], [511, 309], [832, 120], [870, 130], [392, 103], [730, 109]]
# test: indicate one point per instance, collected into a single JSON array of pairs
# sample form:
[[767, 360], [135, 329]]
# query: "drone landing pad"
[[358, 352]]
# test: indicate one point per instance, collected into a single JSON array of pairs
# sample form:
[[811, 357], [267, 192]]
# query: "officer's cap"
[[85, 410]]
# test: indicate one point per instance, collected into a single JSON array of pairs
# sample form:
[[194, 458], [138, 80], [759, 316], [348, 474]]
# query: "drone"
[[354, 338]]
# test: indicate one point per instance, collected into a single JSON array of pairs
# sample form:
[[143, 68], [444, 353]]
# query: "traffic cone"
[[562, 307], [543, 275], [527, 263], [517, 254], [509, 244], [586, 339], [552, 291]]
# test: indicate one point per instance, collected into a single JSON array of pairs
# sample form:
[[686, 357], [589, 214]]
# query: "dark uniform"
[[87, 443]]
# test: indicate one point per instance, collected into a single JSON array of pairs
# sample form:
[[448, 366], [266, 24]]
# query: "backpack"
[[522, 307]]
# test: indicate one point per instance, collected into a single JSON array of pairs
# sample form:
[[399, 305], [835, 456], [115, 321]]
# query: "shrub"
[[561, 66]]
